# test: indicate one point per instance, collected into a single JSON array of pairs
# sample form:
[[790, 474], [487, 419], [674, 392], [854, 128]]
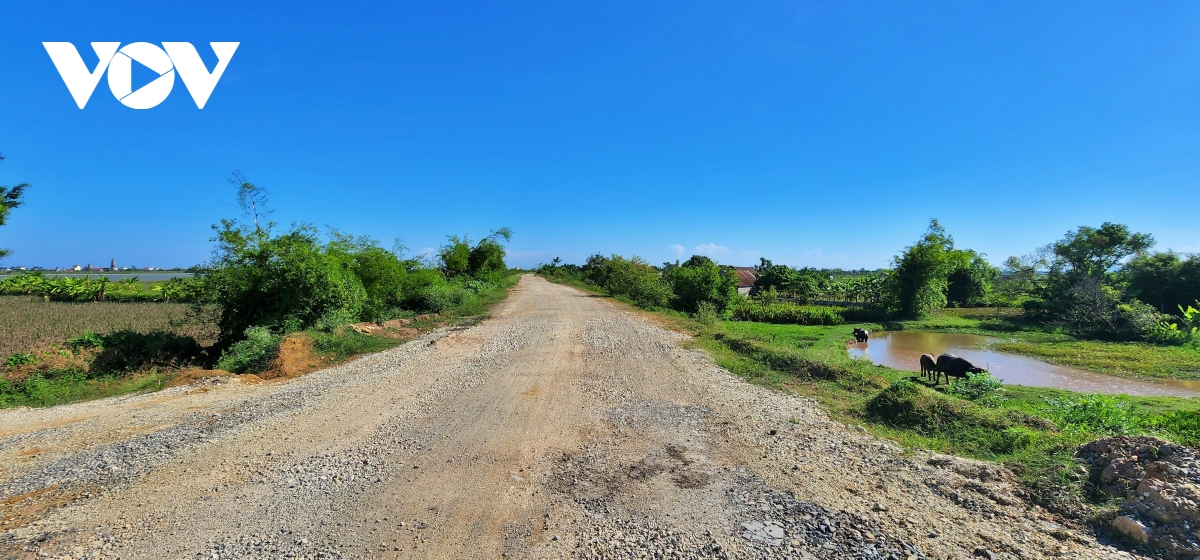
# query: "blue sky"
[[822, 134]]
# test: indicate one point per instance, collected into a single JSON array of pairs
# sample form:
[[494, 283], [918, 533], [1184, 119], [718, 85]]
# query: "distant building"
[[112, 267], [746, 278], [77, 268]]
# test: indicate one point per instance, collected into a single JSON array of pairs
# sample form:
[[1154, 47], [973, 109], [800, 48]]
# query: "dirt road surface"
[[564, 426]]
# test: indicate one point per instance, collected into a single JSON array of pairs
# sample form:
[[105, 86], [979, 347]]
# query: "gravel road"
[[564, 426]]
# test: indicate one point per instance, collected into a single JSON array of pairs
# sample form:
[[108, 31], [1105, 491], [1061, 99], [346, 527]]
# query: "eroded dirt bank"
[[563, 427]]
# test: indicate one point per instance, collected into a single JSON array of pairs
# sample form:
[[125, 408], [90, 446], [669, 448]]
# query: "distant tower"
[[89, 268], [112, 267]]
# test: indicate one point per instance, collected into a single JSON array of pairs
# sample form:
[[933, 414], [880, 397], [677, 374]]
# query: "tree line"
[[1102, 282]]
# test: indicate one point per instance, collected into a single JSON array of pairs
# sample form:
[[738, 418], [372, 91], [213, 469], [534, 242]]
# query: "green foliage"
[[99, 288], [635, 279], [251, 199], [128, 350], [1163, 280], [1094, 252], [788, 313], [253, 353], [976, 386], [10, 198], [455, 257], [1101, 414], [443, 297], [970, 279], [285, 283], [84, 341], [382, 274], [19, 359], [785, 312], [910, 405], [700, 280], [348, 343], [483, 261], [1177, 332], [918, 281], [70, 386], [707, 314]]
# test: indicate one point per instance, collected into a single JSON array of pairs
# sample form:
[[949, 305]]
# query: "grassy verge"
[[1032, 431], [42, 390]]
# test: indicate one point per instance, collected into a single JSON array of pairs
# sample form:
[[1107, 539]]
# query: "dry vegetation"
[[29, 323]]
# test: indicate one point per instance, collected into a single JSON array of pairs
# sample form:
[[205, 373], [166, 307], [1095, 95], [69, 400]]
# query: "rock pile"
[[1160, 482]]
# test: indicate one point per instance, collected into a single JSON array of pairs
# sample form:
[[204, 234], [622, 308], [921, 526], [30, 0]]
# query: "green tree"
[[702, 280], [918, 279], [455, 256], [487, 257], [251, 199], [1163, 280], [10, 197], [970, 278], [459, 259], [1096, 251], [284, 283]]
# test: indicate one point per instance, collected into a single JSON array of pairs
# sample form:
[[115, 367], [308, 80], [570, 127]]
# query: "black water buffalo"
[[861, 335], [953, 366], [928, 366]]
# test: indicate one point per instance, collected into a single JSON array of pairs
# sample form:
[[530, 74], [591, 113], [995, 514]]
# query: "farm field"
[[30, 324]]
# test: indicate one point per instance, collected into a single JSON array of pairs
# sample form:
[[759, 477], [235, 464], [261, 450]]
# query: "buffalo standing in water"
[[953, 366], [861, 335], [928, 366]]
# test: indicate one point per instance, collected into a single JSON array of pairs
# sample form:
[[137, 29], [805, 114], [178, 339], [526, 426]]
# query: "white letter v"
[[195, 76], [80, 82]]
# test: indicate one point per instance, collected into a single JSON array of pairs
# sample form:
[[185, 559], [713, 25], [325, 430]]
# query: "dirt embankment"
[[564, 426]]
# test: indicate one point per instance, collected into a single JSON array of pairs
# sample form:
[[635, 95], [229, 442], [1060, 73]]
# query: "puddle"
[[902, 350]]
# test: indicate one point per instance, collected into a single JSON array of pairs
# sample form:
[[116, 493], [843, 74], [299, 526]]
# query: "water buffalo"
[[861, 335], [928, 366], [953, 366]]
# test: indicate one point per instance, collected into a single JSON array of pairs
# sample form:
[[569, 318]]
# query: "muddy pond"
[[902, 350]]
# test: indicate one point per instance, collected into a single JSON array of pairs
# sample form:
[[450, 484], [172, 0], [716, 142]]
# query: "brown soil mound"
[[394, 329], [296, 357]]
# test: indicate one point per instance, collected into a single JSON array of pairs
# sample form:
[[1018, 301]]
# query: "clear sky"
[[812, 133]]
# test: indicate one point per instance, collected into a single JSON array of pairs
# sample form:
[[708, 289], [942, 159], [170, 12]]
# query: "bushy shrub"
[[635, 279], [253, 353], [701, 280], [84, 341], [444, 297], [910, 405], [1015, 438], [1094, 413], [707, 314], [284, 283], [128, 350], [1177, 331], [976, 386], [19, 359]]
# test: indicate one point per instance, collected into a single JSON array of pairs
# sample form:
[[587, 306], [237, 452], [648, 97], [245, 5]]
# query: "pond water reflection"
[[902, 350]]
